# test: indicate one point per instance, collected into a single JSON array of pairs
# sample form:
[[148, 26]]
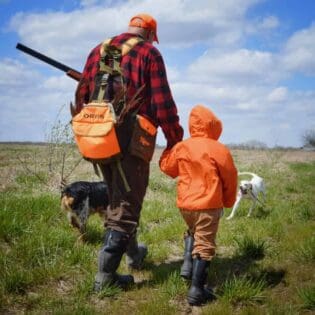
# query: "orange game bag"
[[94, 130]]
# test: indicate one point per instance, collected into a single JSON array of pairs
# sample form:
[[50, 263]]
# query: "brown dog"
[[81, 199]]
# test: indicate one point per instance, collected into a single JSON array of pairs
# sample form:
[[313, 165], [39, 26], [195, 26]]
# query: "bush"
[[251, 248], [307, 295], [243, 290], [309, 138]]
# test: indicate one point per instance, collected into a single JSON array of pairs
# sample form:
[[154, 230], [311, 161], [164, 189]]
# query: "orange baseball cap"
[[145, 21]]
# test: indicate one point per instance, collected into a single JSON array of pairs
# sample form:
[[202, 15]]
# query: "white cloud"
[[241, 99], [68, 35], [15, 74], [58, 83], [30, 102], [270, 22], [173, 73], [285, 126], [279, 94], [88, 3], [239, 66], [263, 25], [299, 51]]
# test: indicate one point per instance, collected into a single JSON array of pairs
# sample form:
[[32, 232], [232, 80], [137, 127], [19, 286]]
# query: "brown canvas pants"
[[124, 207], [203, 226]]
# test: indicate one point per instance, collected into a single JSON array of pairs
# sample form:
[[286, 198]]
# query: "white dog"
[[250, 189]]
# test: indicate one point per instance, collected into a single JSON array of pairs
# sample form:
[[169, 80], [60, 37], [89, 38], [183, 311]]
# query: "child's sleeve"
[[168, 162], [228, 173]]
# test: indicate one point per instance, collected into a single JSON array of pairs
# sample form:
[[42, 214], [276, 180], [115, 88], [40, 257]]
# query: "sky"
[[252, 62]]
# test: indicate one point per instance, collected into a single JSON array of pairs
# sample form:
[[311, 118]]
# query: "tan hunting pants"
[[203, 226]]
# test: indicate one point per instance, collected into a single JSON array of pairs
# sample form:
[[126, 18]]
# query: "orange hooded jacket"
[[207, 177]]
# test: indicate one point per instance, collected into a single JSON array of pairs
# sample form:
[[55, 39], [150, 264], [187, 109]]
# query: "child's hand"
[[164, 156]]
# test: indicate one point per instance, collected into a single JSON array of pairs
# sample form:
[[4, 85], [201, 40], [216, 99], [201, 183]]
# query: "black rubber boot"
[[186, 269], [198, 294], [135, 254], [109, 259]]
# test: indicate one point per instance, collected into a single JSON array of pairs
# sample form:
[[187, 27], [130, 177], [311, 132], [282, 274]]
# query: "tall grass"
[[251, 248], [242, 290], [307, 296], [306, 251]]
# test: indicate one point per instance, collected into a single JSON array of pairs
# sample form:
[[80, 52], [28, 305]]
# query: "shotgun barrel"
[[74, 74]]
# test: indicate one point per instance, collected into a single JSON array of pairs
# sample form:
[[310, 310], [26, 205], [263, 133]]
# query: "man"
[[143, 69]]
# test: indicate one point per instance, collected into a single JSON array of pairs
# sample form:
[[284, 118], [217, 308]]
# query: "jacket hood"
[[204, 123]]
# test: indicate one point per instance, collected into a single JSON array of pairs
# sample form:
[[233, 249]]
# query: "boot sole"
[[200, 301], [193, 303]]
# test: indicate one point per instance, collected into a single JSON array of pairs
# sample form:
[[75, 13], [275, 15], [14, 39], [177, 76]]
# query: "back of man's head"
[[143, 23]]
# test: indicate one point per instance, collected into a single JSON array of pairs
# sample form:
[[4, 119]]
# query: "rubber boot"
[[198, 294], [109, 259], [186, 269], [135, 254]]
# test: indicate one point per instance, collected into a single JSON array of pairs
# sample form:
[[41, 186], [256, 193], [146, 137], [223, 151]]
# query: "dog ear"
[[66, 203]]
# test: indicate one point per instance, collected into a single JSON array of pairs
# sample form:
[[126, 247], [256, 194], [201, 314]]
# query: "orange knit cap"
[[145, 21]]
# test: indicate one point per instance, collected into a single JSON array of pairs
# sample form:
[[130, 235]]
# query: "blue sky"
[[250, 61]]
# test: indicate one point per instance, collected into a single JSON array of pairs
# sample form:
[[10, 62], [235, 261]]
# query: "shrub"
[[243, 290], [306, 251], [309, 138], [251, 248], [307, 295]]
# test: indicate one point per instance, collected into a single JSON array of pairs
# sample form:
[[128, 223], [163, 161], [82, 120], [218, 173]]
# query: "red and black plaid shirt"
[[143, 65]]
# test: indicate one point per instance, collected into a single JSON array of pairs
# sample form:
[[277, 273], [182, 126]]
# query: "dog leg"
[[84, 215], [264, 195], [73, 220], [234, 208], [252, 207]]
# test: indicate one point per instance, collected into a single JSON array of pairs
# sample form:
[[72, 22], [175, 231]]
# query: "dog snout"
[[243, 190]]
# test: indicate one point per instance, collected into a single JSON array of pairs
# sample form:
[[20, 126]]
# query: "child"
[[207, 182]]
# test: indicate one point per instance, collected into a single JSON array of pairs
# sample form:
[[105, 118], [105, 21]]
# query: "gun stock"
[[72, 73]]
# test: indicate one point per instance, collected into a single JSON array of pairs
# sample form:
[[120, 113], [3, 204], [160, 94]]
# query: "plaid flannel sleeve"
[[163, 102], [86, 85]]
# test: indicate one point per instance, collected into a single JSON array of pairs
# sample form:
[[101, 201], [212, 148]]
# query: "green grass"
[[307, 296], [264, 264], [109, 291], [306, 251], [242, 290], [251, 248]]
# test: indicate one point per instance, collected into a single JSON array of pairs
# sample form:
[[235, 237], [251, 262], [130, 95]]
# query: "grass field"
[[264, 264]]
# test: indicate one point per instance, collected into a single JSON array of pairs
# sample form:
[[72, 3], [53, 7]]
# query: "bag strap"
[[96, 171], [116, 54], [123, 176], [129, 44], [121, 50], [125, 47], [120, 170]]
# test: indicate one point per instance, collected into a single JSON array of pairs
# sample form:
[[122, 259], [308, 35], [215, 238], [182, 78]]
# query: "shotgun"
[[72, 73]]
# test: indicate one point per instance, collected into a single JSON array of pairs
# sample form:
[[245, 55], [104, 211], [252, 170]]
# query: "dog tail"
[[247, 173], [62, 186]]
